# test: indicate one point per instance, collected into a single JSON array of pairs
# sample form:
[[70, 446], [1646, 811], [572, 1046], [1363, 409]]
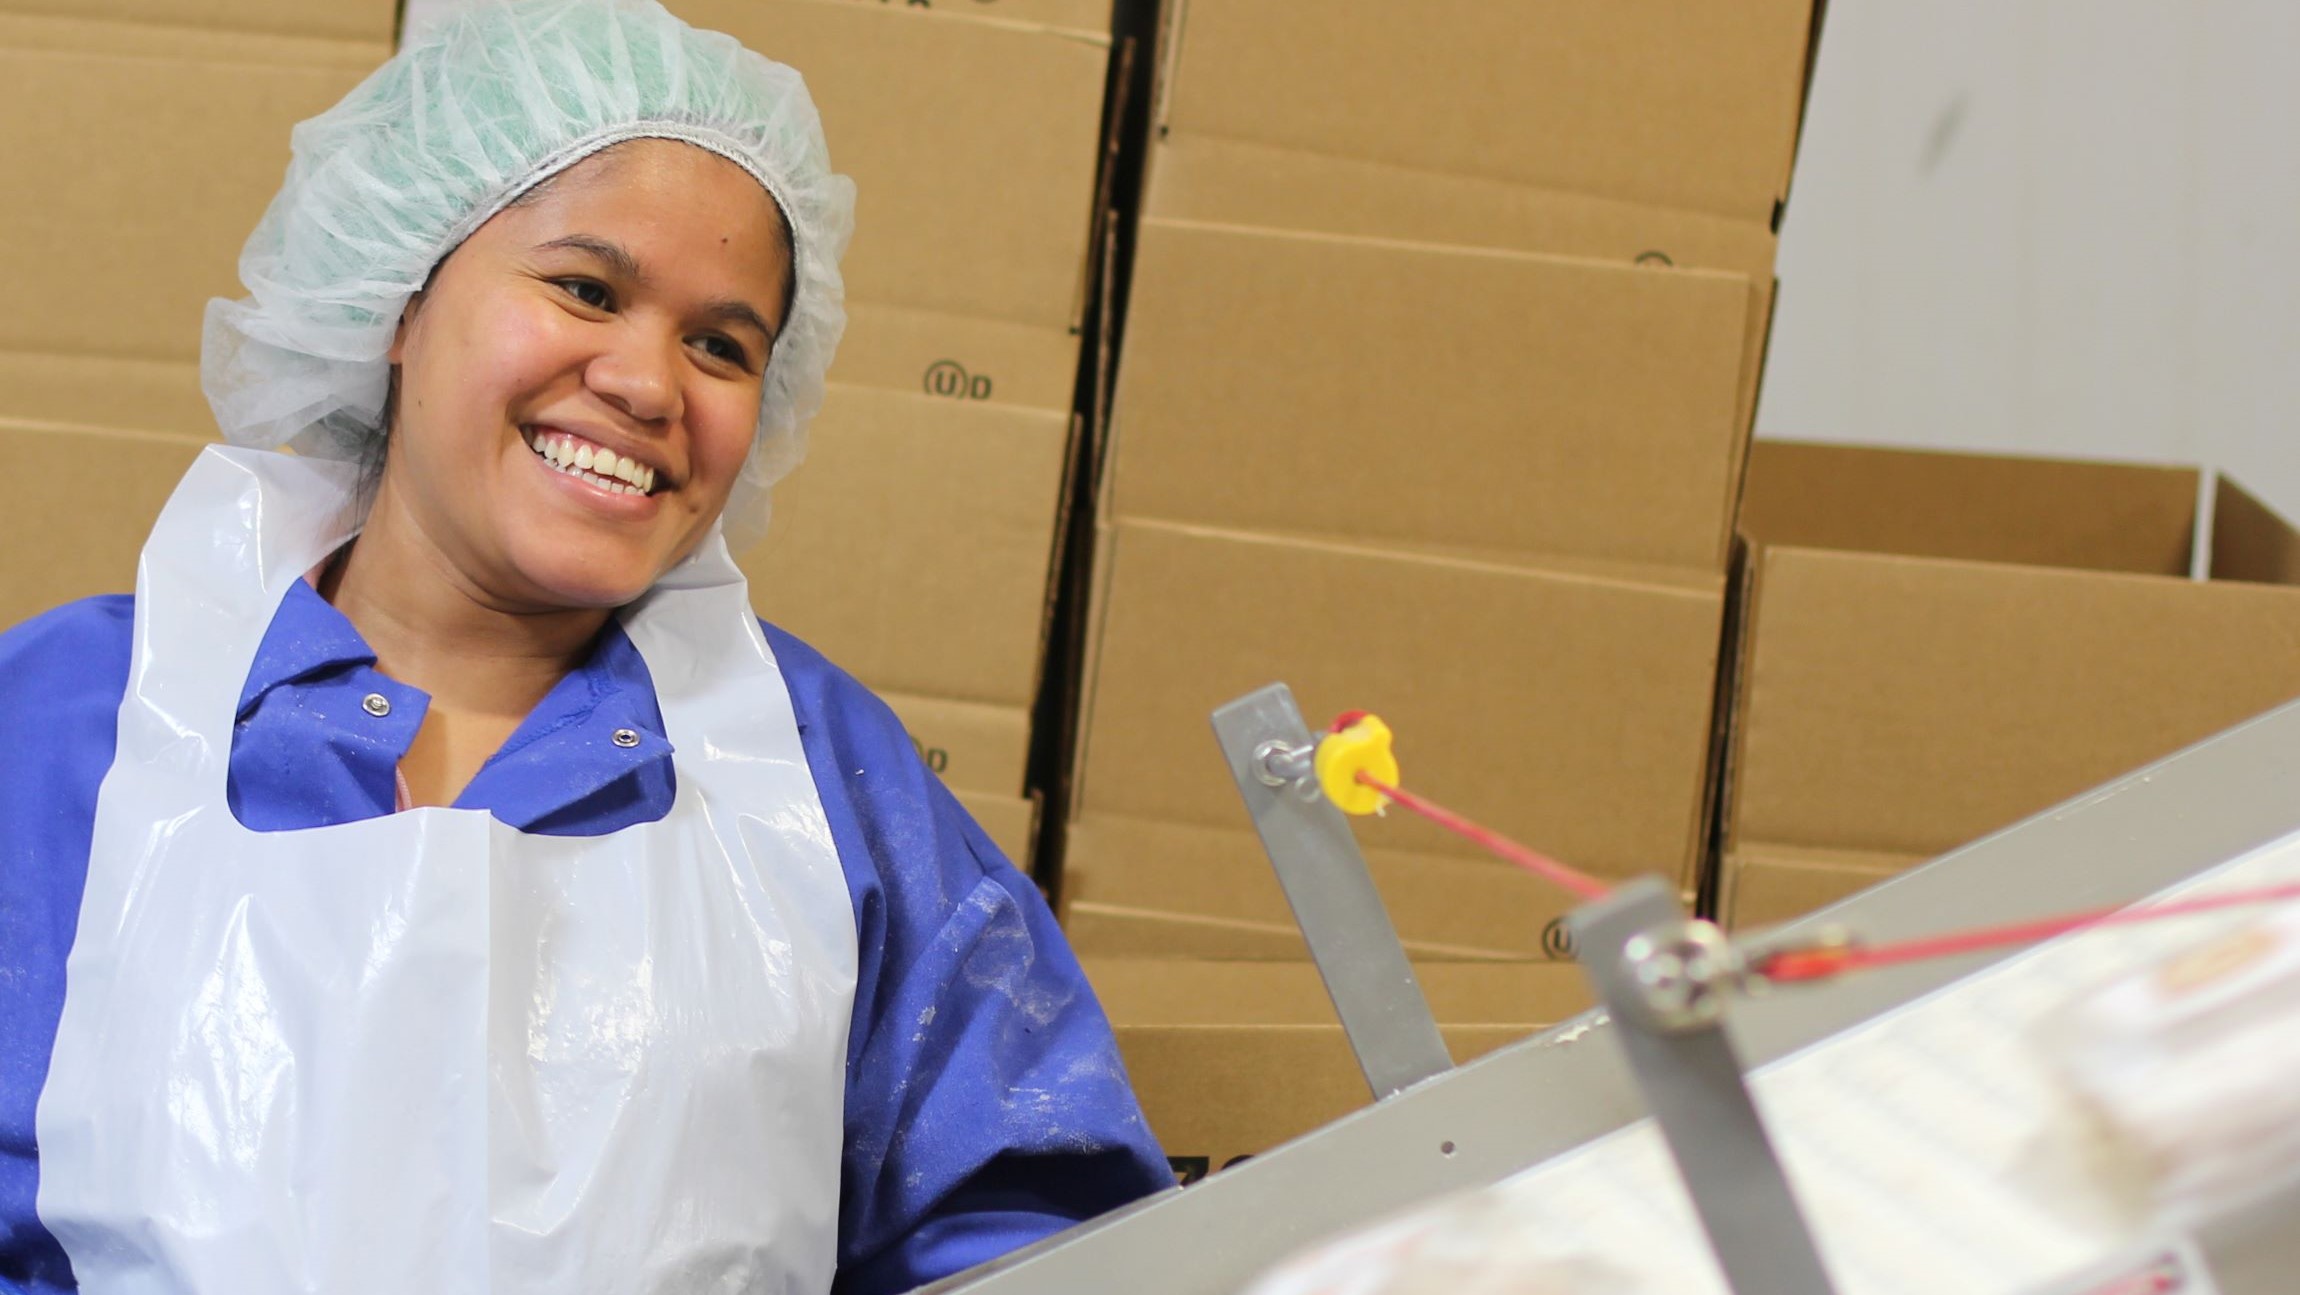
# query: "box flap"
[[913, 546], [1241, 182], [1569, 711], [2249, 541], [1317, 383], [1997, 508], [1641, 100], [1908, 705]]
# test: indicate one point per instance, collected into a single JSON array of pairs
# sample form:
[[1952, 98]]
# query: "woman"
[[461, 890]]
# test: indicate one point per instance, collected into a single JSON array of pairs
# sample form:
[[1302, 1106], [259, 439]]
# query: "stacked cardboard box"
[[1935, 646], [145, 138], [1442, 344], [917, 544]]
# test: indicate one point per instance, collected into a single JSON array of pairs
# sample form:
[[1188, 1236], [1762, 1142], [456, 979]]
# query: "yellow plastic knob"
[[1360, 743]]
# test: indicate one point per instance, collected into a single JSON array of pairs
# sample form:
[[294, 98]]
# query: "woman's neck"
[[435, 627]]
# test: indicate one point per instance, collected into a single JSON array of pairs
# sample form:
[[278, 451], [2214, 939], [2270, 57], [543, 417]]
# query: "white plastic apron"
[[426, 1053]]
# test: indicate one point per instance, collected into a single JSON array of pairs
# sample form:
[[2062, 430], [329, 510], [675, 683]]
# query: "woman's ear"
[[406, 321]]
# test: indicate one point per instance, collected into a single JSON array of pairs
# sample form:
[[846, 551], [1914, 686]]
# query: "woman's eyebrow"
[[615, 255], [740, 312]]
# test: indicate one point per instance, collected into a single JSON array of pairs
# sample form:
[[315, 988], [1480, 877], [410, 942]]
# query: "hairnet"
[[491, 101]]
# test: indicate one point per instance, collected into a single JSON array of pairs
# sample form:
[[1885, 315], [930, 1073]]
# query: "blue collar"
[[592, 756]]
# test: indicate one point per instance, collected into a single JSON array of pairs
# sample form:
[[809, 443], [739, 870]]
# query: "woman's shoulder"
[[827, 699], [75, 654]]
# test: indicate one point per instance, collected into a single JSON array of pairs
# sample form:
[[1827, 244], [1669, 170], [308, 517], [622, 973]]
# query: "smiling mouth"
[[595, 464]]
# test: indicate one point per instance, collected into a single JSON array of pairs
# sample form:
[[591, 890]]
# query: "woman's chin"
[[584, 577]]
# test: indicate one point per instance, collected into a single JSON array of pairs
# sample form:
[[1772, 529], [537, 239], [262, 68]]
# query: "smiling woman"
[[436, 879]]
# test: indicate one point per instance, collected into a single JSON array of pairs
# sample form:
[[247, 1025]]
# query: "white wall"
[[2051, 226]]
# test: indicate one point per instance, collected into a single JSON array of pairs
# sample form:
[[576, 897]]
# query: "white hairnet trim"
[[492, 102]]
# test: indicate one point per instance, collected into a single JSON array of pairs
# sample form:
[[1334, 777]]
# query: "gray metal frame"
[[1524, 1104]]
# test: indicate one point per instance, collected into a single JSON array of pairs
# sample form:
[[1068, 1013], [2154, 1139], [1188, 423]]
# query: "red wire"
[[1526, 857], [1815, 964]]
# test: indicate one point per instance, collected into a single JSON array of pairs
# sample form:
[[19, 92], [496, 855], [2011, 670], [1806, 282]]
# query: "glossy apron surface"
[[428, 1054]]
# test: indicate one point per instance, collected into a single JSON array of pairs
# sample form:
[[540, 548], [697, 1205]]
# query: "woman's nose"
[[639, 374]]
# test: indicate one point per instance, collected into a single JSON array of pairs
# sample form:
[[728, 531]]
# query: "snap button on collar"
[[626, 738], [376, 704]]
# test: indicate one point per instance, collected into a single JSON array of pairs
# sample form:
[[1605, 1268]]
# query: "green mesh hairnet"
[[491, 101]]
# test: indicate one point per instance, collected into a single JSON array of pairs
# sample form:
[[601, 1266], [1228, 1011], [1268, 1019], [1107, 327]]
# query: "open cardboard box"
[[1231, 1059], [153, 135], [1935, 646]]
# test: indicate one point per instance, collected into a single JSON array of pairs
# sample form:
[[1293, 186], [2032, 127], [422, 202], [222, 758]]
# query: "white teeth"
[[601, 467]]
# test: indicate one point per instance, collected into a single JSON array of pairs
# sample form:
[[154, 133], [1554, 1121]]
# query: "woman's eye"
[[727, 350], [590, 292]]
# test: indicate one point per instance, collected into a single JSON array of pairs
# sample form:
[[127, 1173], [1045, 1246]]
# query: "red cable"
[[1792, 965], [1526, 857]]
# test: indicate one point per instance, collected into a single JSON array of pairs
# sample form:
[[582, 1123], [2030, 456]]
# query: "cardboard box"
[[1232, 1059], [973, 143], [1226, 181], [1134, 887], [1644, 101], [1570, 709], [82, 531], [1936, 646], [1766, 886], [1381, 390], [914, 546], [1011, 823], [973, 746], [153, 150]]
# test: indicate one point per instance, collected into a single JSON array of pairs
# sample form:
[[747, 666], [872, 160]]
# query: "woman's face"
[[579, 383]]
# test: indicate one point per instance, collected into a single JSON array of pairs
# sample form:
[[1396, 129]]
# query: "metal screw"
[[1683, 972], [625, 738], [1279, 763], [376, 704]]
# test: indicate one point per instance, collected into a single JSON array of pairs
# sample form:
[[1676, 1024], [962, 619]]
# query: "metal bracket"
[[1664, 980], [1269, 750]]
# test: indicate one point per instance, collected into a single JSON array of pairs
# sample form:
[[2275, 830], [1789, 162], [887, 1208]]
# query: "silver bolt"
[[1279, 763], [376, 704], [1683, 972]]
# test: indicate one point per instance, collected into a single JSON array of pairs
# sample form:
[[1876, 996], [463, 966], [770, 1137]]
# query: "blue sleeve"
[[986, 1104], [61, 678]]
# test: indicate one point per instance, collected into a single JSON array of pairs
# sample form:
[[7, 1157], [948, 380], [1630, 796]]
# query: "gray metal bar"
[[1534, 1100], [1332, 894], [1693, 1084]]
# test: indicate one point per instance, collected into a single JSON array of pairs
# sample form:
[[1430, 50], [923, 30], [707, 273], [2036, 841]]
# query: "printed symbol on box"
[[1556, 940], [934, 757], [950, 379], [1655, 257]]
